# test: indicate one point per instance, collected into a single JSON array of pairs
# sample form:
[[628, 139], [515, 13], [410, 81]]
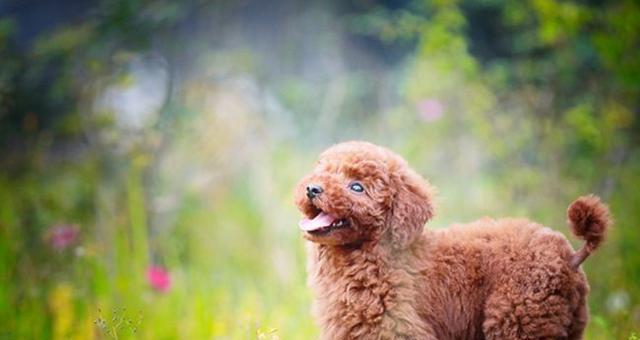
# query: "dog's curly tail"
[[589, 220]]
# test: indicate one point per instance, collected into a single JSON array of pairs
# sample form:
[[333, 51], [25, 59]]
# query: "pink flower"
[[430, 110], [62, 236], [159, 278]]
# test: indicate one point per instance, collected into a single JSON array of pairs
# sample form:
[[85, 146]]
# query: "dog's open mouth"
[[323, 223]]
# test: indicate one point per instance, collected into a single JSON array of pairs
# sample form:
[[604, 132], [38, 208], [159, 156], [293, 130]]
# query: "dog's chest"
[[355, 297]]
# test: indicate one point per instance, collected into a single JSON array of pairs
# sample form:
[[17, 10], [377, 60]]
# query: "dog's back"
[[521, 277]]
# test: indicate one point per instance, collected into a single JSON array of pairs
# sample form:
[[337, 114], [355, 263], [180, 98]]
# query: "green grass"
[[237, 272]]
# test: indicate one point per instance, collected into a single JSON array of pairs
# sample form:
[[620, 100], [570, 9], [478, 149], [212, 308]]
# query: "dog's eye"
[[356, 186]]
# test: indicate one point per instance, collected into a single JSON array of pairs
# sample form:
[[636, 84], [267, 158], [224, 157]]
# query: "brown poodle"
[[377, 275]]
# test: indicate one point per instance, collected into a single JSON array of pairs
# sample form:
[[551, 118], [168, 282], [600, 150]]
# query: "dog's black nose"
[[313, 190]]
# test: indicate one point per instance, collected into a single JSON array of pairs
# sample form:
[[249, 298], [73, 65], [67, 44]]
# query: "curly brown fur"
[[377, 275]]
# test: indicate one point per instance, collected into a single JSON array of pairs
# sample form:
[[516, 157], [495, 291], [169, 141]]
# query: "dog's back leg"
[[537, 303]]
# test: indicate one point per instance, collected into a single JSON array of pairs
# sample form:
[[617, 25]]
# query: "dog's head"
[[360, 192]]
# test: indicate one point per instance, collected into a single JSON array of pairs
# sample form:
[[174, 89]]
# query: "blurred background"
[[149, 149]]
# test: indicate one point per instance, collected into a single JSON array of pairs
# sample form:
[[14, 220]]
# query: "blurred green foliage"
[[172, 134]]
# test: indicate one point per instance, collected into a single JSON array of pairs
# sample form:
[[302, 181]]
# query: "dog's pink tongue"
[[322, 220]]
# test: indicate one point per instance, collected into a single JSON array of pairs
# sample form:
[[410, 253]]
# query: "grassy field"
[[233, 255]]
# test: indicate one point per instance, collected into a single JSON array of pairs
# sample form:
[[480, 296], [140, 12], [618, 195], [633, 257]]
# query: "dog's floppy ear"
[[412, 207]]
